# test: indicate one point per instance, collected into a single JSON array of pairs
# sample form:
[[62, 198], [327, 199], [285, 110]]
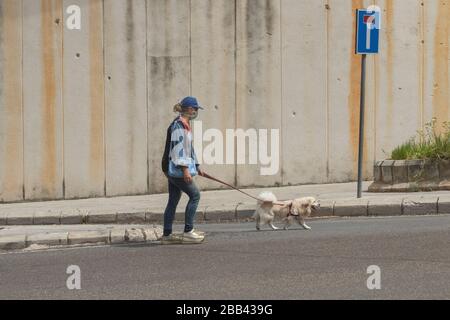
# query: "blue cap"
[[190, 102]]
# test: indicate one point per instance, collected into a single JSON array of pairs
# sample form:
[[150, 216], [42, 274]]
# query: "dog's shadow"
[[277, 230]]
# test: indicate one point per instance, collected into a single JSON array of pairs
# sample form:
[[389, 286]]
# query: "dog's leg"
[[306, 227], [258, 223], [287, 223], [270, 222], [272, 226], [301, 221]]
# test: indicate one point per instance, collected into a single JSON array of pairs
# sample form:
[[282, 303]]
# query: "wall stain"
[[3, 105], [131, 83], [168, 30], [96, 93], [169, 69], [2, 18], [269, 17], [154, 65], [49, 104], [259, 53], [162, 71], [388, 23], [12, 181], [209, 10], [228, 76], [228, 17], [441, 65]]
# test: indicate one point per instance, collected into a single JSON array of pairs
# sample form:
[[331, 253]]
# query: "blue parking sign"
[[367, 31]]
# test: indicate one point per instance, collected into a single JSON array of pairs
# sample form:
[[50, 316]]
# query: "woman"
[[179, 164]]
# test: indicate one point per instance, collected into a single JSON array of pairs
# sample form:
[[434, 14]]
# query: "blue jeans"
[[176, 185]]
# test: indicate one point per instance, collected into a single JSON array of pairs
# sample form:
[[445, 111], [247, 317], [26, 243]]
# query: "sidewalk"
[[132, 214]]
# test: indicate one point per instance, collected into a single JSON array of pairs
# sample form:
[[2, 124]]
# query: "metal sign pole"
[[361, 123], [368, 24]]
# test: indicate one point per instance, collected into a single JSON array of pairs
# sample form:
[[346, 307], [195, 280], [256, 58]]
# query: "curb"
[[388, 206], [115, 236], [426, 205], [242, 212]]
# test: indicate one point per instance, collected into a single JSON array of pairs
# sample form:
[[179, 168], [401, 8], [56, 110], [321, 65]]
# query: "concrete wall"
[[83, 103], [42, 92], [83, 113], [11, 102]]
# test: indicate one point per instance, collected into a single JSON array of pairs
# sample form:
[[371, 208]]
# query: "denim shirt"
[[182, 152]]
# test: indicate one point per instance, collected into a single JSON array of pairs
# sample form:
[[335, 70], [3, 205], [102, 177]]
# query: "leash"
[[204, 174], [229, 185]]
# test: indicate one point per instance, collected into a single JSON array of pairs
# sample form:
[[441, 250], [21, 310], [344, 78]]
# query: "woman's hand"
[[186, 175]]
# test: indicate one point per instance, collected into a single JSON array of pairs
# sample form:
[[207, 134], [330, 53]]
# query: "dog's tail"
[[267, 196]]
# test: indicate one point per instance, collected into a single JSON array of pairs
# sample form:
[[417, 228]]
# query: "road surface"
[[329, 262]]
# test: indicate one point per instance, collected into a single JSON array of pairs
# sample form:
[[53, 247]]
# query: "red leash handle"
[[204, 174]]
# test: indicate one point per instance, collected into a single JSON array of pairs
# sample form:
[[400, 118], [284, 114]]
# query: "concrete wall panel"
[[436, 61], [304, 34], [84, 169], [168, 72], [344, 79], [399, 104], [258, 78], [42, 99], [343, 106], [213, 77], [168, 27], [126, 97], [11, 123]]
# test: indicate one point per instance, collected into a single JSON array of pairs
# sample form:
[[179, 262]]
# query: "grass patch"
[[428, 144]]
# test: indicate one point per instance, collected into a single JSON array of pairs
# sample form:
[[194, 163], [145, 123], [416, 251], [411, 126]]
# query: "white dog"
[[298, 209]]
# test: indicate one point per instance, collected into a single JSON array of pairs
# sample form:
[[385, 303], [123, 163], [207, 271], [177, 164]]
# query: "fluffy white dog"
[[269, 207]]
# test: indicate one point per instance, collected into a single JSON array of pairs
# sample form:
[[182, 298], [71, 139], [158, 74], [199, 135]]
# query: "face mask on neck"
[[192, 116]]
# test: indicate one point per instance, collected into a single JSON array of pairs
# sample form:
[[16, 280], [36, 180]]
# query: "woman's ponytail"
[[177, 108]]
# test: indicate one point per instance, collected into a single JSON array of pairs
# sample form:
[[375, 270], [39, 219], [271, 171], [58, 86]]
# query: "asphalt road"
[[237, 262]]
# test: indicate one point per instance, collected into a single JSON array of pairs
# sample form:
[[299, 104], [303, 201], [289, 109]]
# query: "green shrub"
[[404, 151], [427, 145]]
